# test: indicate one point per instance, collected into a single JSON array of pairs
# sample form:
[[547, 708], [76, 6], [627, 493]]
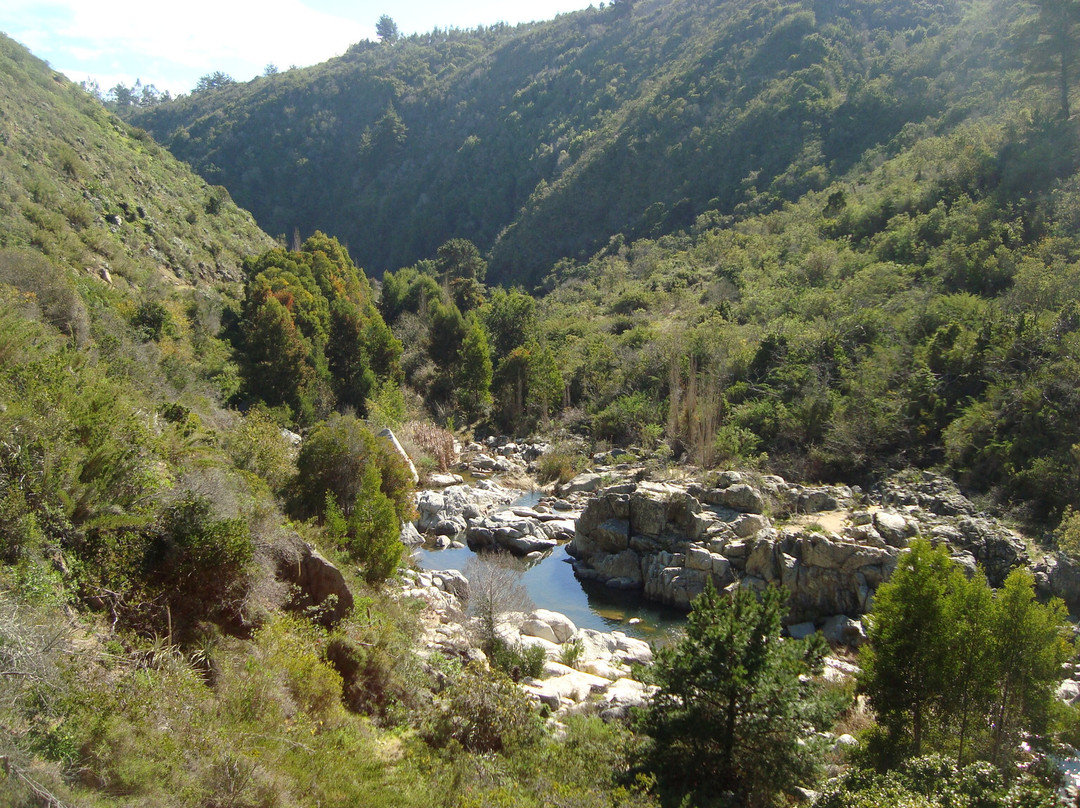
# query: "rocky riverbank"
[[829, 546], [585, 671]]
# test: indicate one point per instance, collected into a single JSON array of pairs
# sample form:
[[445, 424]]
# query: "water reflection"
[[551, 585]]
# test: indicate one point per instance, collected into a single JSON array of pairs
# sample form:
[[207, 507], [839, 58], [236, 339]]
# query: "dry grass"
[[423, 440]]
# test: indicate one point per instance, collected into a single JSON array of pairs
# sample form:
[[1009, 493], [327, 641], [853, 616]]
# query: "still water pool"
[[552, 585]]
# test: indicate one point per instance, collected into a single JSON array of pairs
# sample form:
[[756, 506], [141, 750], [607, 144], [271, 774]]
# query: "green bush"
[[516, 661], [199, 562], [484, 711], [373, 534], [934, 782], [257, 445], [334, 459], [561, 463]]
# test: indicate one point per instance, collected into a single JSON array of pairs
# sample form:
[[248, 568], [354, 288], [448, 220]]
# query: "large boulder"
[[549, 625], [996, 548], [893, 528], [1058, 576], [741, 497], [318, 582]]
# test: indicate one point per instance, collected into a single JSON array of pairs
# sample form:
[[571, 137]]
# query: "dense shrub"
[[484, 712]]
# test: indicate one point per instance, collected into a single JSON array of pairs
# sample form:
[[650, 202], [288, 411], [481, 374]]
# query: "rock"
[[843, 630], [800, 631], [410, 536], [606, 670], [625, 693], [932, 492], [584, 483], [319, 582], [1069, 691], [698, 558], [762, 560], [631, 650], [560, 529], [741, 497], [453, 582], [574, 686], [625, 566], [450, 526], [562, 627], [535, 627], [749, 524], [444, 480], [998, 549], [1058, 575], [815, 500], [893, 528]]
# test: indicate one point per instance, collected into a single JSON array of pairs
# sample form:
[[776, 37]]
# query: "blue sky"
[[172, 44]]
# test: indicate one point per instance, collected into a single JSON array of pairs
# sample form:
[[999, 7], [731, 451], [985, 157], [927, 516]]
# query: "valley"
[[671, 403]]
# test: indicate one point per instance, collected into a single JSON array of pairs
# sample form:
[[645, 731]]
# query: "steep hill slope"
[[541, 142], [93, 194]]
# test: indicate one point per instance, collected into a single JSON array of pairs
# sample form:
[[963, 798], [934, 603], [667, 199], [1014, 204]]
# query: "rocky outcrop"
[[521, 535], [501, 455], [929, 492], [671, 540], [447, 512]]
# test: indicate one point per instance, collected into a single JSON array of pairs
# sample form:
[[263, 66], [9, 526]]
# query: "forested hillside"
[[543, 141]]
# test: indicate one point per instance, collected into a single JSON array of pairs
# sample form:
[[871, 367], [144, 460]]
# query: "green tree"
[[386, 29], [347, 356], [374, 529], [968, 615], [1057, 37], [447, 334], [905, 661], [474, 380], [213, 81], [511, 319], [276, 359], [950, 665], [1028, 650], [458, 258], [732, 711]]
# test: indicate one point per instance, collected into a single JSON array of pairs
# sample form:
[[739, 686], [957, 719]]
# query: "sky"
[[172, 44]]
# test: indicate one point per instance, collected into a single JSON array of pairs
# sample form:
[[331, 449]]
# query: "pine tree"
[[731, 714]]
